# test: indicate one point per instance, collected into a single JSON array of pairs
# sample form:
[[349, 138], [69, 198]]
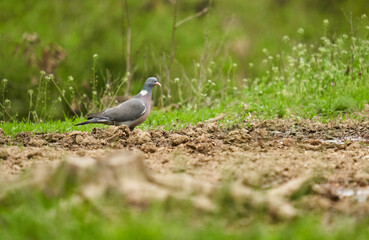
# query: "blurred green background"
[[60, 37]]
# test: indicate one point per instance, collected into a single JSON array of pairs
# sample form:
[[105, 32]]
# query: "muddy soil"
[[261, 154]]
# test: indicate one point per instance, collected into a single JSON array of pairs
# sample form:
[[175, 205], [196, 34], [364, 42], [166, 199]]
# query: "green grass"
[[13, 128], [235, 112], [36, 217], [167, 119]]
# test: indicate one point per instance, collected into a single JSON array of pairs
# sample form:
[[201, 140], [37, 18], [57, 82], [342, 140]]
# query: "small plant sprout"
[[94, 80], [8, 103], [30, 92], [4, 83]]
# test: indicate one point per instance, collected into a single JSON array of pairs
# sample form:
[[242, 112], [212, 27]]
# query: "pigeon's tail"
[[83, 123], [96, 120]]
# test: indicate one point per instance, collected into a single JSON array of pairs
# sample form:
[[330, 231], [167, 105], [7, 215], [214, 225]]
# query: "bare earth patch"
[[262, 155]]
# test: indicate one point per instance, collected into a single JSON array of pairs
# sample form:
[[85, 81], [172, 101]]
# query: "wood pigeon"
[[132, 112]]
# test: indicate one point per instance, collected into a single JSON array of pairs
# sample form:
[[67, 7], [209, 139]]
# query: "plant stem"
[[172, 49], [128, 46], [63, 95]]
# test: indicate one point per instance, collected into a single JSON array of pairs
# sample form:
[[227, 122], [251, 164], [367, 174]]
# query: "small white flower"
[[300, 31], [322, 49]]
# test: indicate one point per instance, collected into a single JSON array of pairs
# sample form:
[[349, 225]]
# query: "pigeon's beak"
[[158, 83]]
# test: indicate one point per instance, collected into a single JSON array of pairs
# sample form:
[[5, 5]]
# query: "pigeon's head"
[[151, 82]]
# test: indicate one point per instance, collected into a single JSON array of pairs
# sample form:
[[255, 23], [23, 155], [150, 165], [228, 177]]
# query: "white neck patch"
[[143, 92]]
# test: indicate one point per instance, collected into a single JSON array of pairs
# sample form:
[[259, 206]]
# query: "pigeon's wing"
[[127, 111]]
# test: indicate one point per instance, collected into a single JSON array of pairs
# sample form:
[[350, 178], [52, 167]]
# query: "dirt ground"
[[261, 154]]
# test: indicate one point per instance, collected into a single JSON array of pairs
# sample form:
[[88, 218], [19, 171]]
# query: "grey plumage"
[[132, 112]]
